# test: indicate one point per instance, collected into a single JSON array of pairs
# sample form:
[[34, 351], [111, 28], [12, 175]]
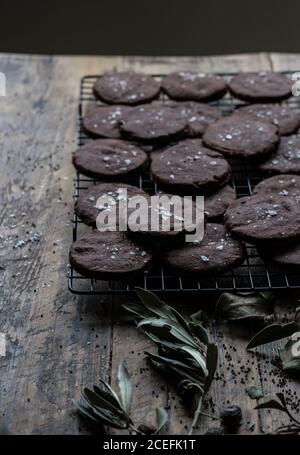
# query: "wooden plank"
[[156, 65], [57, 342], [285, 62]]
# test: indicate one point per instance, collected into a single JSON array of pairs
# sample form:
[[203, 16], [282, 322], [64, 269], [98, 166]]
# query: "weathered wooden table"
[[58, 342]]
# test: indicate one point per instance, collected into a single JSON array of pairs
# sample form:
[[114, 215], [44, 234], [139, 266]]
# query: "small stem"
[[196, 416]]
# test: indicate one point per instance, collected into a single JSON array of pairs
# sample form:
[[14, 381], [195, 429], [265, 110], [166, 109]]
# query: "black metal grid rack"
[[253, 274]]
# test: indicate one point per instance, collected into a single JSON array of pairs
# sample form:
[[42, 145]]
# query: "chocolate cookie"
[[102, 197], [215, 204], [126, 88], [188, 166], [186, 85], [153, 123], [165, 218], [108, 255], [283, 117], [286, 159], [104, 121], [282, 185], [241, 137], [199, 116], [286, 257], [264, 218], [216, 253], [109, 159], [264, 86]]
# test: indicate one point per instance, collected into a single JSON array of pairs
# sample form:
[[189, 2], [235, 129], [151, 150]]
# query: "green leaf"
[[125, 386], [99, 408], [190, 379], [159, 308], [235, 307], [84, 411], [199, 317], [111, 419], [162, 418], [272, 333], [106, 417], [174, 351], [288, 429], [290, 362], [281, 398], [177, 353], [169, 362], [254, 393], [139, 310], [113, 396], [165, 329], [280, 406], [155, 305], [182, 369], [271, 404], [211, 365], [197, 356], [99, 400], [107, 395], [199, 331]]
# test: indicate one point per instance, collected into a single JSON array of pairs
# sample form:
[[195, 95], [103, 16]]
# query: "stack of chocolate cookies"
[[187, 145]]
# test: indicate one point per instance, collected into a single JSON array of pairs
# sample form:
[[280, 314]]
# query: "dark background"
[[149, 27]]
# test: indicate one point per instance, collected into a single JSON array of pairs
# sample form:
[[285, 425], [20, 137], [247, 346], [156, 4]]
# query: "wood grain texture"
[[57, 342]]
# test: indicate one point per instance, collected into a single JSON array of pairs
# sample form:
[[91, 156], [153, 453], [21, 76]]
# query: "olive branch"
[[184, 350]]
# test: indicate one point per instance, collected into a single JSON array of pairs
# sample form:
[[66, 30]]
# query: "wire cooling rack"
[[253, 274]]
